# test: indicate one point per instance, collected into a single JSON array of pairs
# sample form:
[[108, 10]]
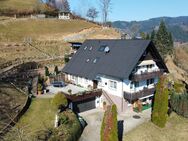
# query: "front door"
[[95, 84]]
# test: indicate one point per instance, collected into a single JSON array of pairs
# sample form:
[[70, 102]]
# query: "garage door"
[[84, 105]]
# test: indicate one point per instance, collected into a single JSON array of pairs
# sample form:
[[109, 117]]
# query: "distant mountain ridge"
[[177, 25]]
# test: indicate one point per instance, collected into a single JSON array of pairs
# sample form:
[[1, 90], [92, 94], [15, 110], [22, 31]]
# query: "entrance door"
[[95, 84]]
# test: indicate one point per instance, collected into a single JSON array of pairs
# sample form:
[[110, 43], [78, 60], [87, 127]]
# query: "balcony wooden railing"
[[146, 75], [137, 95], [84, 95]]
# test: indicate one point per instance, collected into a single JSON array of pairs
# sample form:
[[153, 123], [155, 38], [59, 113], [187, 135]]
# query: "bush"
[[40, 88], [160, 108], [109, 129], [179, 103], [66, 59], [69, 130], [60, 101], [63, 119]]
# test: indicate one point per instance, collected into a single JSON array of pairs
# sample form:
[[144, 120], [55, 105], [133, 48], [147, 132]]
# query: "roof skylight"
[[85, 47]]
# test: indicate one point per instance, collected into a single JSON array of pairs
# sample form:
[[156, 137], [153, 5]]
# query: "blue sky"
[[129, 10]]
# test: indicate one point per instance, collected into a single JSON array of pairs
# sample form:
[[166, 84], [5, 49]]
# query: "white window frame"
[[73, 77], [113, 84]]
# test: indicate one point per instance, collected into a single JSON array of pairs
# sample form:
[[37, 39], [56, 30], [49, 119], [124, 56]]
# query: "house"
[[64, 15], [126, 70], [75, 46]]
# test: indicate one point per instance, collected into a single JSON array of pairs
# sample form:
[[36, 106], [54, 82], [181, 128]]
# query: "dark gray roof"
[[119, 62]]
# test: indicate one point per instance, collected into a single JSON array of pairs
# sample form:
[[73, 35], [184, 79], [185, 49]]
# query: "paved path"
[[92, 130], [129, 123], [126, 123]]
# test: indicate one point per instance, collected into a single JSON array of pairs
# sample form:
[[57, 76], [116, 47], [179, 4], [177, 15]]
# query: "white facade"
[[117, 87], [83, 82], [64, 16]]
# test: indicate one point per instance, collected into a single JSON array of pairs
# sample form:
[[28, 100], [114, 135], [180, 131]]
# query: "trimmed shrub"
[[109, 129], [160, 108], [59, 100]]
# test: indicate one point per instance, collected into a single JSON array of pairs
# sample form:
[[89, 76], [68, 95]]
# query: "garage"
[[84, 105]]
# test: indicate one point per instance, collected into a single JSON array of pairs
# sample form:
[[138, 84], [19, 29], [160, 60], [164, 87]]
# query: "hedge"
[[179, 103], [109, 129]]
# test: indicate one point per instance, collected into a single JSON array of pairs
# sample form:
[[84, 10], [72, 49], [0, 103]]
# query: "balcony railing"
[[137, 95], [146, 75]]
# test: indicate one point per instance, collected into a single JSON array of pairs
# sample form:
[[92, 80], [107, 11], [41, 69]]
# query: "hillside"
[[19, 4], [38, 39], [177, 25], [177, 63]]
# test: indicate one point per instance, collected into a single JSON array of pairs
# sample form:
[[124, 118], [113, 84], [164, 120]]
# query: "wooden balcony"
[[146, 75], [137, 95]]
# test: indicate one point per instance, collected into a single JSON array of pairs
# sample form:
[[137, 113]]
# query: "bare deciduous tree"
[[92, 13], [105, 8]]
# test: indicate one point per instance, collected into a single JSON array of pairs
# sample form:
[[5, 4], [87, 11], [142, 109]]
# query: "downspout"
[[122, 98]]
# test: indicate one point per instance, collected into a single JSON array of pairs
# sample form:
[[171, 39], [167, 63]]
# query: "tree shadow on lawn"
[[120, 130]]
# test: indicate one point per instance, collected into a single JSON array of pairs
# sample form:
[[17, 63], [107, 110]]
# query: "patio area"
[[69, 87]]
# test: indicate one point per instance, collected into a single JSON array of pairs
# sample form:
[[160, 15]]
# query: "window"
[[86, 81], [113, 84], [95, 60], [131, 86], [136, 84], [73, 77], [85, 47], [150, 81], [150, 66], [102, 48]]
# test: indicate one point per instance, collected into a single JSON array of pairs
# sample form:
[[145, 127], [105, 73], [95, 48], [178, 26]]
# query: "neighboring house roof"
[[122, 57]]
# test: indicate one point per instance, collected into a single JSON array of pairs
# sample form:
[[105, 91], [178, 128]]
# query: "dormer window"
[[102, 48], [91, 48], [85, 47], [95, 60]]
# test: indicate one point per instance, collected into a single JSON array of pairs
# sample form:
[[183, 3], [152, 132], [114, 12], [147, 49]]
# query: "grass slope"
[[39, 117], [175, 130], [11, 100], [18, 4], [17, 30]]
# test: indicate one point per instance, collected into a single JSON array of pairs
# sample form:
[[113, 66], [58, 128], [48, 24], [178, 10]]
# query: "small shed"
[[64, 15]]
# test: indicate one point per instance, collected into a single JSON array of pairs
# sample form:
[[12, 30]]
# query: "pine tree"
[[153, 34], [171, 42], [147, 36], [163, 42], [160, 108], [47, 71], [56, 70]]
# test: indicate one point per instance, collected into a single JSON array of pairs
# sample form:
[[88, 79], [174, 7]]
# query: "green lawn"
[[39, 117], [176, 130]]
